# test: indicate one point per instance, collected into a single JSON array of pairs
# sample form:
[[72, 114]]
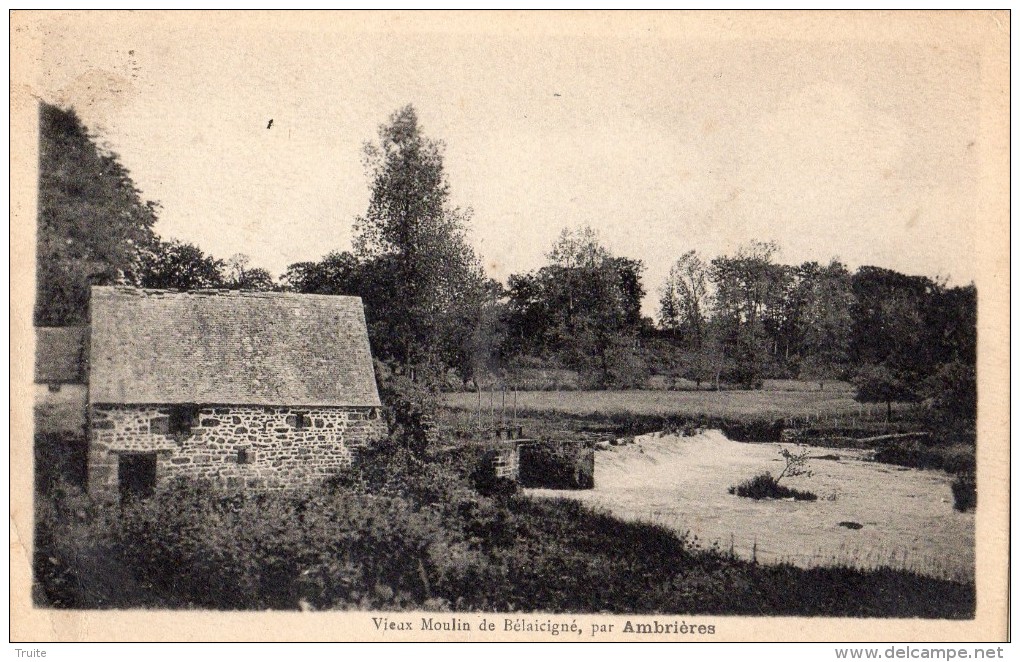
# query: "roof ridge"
[[215, 291]]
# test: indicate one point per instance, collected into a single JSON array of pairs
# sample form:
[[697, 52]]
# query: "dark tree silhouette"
[[93, 222], [180, 266]]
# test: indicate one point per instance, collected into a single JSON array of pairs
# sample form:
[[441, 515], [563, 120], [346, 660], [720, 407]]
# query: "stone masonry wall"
[[499, 459], [232, 445]]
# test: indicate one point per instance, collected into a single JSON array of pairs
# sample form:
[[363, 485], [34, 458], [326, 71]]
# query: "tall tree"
[[749, 307], [92, 219], [818, 333], [684, 298], [632, 290], [578, 248], [423, 270], [888, 321], [919, 336]]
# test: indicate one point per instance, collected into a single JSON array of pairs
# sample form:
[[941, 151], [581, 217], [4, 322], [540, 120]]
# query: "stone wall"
[[501, 459], [232, 445]]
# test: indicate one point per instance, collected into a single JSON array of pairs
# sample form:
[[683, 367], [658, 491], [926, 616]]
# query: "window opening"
[[182, 419]]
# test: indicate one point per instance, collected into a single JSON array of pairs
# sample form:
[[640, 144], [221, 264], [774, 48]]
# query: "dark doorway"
[[137, 475]]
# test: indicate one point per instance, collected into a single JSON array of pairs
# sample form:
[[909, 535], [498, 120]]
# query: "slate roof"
[[60, 354], [229, 347]]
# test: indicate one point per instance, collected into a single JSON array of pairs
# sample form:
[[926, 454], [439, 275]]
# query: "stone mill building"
[[247, 389]]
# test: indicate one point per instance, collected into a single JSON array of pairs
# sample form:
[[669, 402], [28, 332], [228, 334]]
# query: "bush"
[[754, 430], [953, 458], [416, 540], [964, 488], [74, 561], [199, 547], [410, 409], [557, 465], [953, 390], [765, 486], [60, 457]]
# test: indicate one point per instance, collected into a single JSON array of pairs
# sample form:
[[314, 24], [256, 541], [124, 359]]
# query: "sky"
[[664, 141]]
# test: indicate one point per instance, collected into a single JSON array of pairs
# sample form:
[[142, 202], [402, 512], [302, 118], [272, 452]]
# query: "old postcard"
[[511, 326]]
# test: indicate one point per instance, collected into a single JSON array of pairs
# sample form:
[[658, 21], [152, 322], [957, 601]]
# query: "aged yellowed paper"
[[878, 138]]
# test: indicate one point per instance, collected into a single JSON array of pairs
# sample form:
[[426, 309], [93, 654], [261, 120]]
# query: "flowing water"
[[906, 516]]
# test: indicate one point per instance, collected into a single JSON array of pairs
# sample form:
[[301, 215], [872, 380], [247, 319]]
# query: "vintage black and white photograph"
[[416, 318]]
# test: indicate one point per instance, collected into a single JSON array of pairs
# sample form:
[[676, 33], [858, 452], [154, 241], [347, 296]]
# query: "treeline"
[[727, 321], [745, 317]]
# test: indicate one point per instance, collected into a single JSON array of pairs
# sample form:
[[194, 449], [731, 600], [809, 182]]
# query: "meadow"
[[777, 400], [823, 417]]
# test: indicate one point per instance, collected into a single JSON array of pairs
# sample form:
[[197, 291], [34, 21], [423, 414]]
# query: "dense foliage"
[[746, 317], [180, 266], [582, 312], [93, 222], [765, 486]]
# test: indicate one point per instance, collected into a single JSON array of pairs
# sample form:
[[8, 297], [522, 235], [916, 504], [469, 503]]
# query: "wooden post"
[[492, 409]]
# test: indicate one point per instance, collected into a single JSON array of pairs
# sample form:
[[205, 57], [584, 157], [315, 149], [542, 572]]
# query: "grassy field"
[[780, 399], [832, 415]]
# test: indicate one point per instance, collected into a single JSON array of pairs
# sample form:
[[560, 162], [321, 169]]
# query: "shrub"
[[410, 408], [953, 389], [766, 486], [60, 457], [557, 465], [759, 430], [487, 483], [74, 564], [953, 458], [964, 488]]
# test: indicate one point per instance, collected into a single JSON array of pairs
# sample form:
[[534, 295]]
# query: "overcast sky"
[[862, 151]]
